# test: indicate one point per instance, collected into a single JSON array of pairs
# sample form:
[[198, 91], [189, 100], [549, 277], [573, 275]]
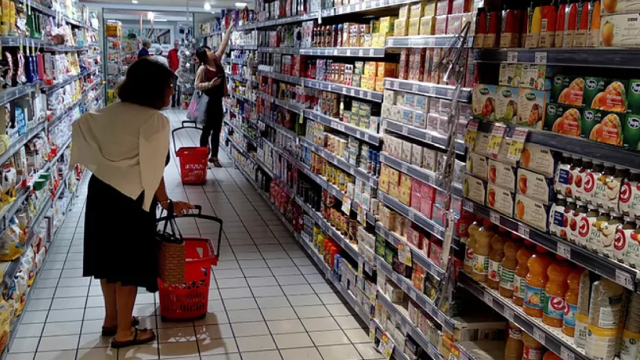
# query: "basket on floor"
[[189, 300], [193, 159]]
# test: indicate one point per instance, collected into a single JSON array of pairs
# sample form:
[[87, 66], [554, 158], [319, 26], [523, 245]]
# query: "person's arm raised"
[[224, 42]]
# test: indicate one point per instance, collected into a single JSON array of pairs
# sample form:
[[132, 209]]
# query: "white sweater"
[[124, 145]]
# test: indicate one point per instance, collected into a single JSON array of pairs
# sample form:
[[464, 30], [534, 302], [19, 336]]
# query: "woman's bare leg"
[[110, 304], [126, 298]]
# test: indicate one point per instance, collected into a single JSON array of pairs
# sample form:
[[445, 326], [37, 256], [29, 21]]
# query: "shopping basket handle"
[[199, 215], [190, 122], [184, 123]]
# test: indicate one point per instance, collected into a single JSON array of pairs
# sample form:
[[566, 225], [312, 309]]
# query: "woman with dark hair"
[[211, 80], [126, 147]]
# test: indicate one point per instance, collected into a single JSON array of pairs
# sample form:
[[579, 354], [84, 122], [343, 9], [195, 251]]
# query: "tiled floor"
[[266, 300]]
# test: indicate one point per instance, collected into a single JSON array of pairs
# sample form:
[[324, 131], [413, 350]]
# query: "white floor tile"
[[261, 355], [250, 329], [97, 354], [334, 337], [256, 343], [339, 352], [290, 341], [310, 353], [55, 355]]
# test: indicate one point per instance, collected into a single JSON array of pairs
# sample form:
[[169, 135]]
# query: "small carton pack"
[[531, 108], [563, 119], [500, 199]]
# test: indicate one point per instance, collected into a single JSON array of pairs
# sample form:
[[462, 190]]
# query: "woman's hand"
[[181, 207], [216, 81]]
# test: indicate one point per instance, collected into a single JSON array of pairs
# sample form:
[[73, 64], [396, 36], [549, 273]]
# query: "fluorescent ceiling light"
[[241, 4], [161, 20], [207, 6], [134, 1]]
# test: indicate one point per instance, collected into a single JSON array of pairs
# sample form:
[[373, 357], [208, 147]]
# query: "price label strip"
[[404, 253], [496, 138]]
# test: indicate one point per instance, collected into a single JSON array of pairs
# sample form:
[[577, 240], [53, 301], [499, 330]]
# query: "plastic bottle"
[[582, 313], [514, 345], [605, 312], [555, 291], [495, 258], [631, 333], [481, 251], [536, 281], [471, 242], [571, 302], [532, 350], [508, 266], [522, 269]]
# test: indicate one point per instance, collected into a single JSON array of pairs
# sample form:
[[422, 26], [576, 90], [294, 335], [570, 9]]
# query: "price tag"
[[367, 268], [28, 48], [523, 230], [468, 205], [427, 137], [624, 279], [340, 10], [358, 6], [564, 250], [488, 298], [20, 41], [335, 52], [372, 330], [471, 133], [404, 253], [566, 354], [386, 346], [517, 144], [539, 335], [405, 130], [415, 87], [440, 316], [344, 90], [353, 92], [390, 42], [541, 58], [411, 215], [360, 266], [369, 95], [360, 93], [371, 52], [29, 7], [512, 57], [360, 52], [496, 138], [412, 294], [508, 313], [348, 52], [494, 217]]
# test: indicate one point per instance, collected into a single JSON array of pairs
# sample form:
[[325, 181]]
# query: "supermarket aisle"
[[266, 300]]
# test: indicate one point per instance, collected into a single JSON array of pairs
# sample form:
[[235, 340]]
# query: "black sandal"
[[111, 331], [135, 341]]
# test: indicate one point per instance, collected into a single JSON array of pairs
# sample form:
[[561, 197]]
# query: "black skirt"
[[119, 238]]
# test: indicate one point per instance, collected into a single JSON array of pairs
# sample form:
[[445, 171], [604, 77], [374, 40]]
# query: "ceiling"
[[168, 5]]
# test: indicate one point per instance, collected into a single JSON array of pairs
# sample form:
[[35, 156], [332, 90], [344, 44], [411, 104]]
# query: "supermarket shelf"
[[292, 79], [574, 145], [242, 47], [219, 32], [422, 300], [280, 50], [345, 51], [552, 338], [417, 173], [17, 92], [11, 41], [364, 6], [344, 89], [401, 318], [596, 57], [10, 210], [241, 97], [53, 122], [21, 141], [63, 83], [427, 89], [411, 214], [282, 21], [244, 151], [416, 255], [239, 78], [397, 351], [423, 135], [423, 41], [608, 268], [243, 62], [362, 134], [298, 109]]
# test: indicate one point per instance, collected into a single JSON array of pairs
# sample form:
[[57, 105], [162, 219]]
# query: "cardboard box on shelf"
[[400, 27], [427, 24]]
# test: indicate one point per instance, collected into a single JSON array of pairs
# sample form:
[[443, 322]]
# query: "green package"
[[631, 132], [633, 96], [563, 119]]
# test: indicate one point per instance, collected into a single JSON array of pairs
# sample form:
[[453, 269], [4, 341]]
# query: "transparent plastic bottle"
[[571, 302], [532, 350], [481, 251], [514, 345], [495, 258], [508, 266], [519, 279], [471, 243]]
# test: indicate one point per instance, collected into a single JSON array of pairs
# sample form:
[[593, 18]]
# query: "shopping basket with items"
[[193, 159], [185, 267]]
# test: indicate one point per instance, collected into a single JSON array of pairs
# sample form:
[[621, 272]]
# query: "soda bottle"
[[536, 281], [555, 292], [522, 269], [508, 266], [571, 303], [471, 242], [481, 251], [495, 258]]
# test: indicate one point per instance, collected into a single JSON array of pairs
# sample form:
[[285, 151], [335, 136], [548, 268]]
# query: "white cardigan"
[[124, 145]]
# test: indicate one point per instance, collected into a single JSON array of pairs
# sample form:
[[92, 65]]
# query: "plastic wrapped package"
[[11, 243]]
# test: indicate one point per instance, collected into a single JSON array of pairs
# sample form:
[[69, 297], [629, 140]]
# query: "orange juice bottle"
[[522, 269], [495, 258], [571, 303], [508, 266], [471, 242], [550, 355], [555, 292], [481, 251], [536, 281]]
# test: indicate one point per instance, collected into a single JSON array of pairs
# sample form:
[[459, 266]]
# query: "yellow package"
[[5, 17], [426, 25], [5, 324], [400, 27], [416, 10], [404, 12], [414, 27], [387, 24], [430, 8]]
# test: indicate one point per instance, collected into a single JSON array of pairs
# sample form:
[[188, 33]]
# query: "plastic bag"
[[22, 285], [5, 324], [11, 245]]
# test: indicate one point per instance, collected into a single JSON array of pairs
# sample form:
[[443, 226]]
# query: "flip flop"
[[111, 331], [135, 341]]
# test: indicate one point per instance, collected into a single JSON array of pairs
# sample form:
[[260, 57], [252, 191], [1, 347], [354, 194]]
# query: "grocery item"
[[536, 281], [481, 251], [626, 246], [550, 355], [570, 23], [586, 238], [519, 279], [579, 179], [582, 313], [471, 243], [575, 221], [595, 239], [609, 233], [532, 349], [605, 306], [571, 302], [591, 180], [531, 107], [631, 333], [563, 177], [534, 24], [620, 30], [555, 290], [508, 266], [558, 221], [563, 119], [495, 258], [514, 345]]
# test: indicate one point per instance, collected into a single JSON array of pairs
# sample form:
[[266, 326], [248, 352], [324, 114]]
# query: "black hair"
[[146, 83], [201, 54]]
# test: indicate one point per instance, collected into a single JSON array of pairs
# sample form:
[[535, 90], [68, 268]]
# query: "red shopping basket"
[[193, 159], [190, 299]]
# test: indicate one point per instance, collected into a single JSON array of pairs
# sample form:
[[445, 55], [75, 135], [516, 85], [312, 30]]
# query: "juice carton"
[[620, 6], [622, 30], [611, 96], [593, 34], [548, 26], [603, 126], [484, 104], [570, 24], [563, 119], [631, 132], [560, 24], [506, 100], [534, 25], [531, 107]]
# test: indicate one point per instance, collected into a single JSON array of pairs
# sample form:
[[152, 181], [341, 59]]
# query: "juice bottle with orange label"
[[495, 258], [471, 242], [555, 292], [519, 279], [571, 302], [481, 251], [536, 281], [508, 266]]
